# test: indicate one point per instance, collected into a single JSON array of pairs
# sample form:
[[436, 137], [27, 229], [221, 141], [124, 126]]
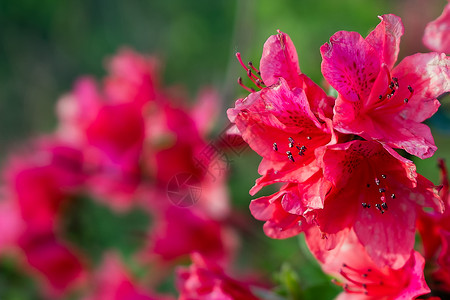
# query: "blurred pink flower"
[[132, 77], [111, 136], [112, 282], [361, 278], [437, 32], [378, 101], [205, 280], [40, 183], [177, 232]]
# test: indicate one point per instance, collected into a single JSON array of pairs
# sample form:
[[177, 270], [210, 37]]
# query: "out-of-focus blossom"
[[377, 100], [437, 32], [361, 278], [132, 77], [206, 280], [112, 282], [434, 230], [111, 135], [39, 184]]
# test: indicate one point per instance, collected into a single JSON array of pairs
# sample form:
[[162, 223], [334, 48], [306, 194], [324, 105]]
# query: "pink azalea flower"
[[112, 282], [278, 124], [111, 135], [205, 280], [377, 100], [377, 193], [434, 230], [40, 184], [132, 78], [361, 278], [54, 261], [177, 232], [437, 32]]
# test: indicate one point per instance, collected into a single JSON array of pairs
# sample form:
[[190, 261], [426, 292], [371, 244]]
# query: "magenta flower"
[[205, 280], [361, 278], [111, 135], [132, 78], [177, 232], [278, 124], [54, 261], [377, 193], [112, 282], [39, 185], [437, 32], [377, 100]]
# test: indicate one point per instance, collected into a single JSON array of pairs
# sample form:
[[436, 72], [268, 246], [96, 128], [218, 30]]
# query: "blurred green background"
[[45, 45]]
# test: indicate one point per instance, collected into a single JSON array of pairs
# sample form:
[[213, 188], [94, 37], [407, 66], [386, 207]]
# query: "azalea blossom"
[[437, 32], [377, 193], [360, 277], [278, 122], [205, 280], [378, 101], [39, 185], [112, 282]]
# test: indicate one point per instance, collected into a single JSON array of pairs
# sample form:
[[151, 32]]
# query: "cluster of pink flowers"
[[336, 156], [126, 143], [341, 182]]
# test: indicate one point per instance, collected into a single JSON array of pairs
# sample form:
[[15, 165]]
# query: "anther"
[[382, 190], [308, 137], [364, 204], [380, 97], [291, 145], [410, 89], [291, 140], [405, 100], [383, 176], [393, 196], [289, 154], [377, 181], [384, 205], [303, 148], [301, 153], [368, 185], [250, 90], [275, 146]]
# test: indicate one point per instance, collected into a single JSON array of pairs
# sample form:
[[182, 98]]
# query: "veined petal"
[[437, 33], [280, 60], [385, 38], [350, 65], [428, 74]]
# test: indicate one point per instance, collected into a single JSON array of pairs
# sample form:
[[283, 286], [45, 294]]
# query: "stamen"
[[275, 146], [250, 90], [289, 154], [250, 64], [238, 56]]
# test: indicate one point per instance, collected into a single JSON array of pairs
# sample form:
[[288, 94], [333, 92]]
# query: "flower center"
[[368, 281], [384, 192], [291, 152], [397, 103]]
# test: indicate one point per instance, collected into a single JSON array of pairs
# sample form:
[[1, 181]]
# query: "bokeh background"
[[45, 45]]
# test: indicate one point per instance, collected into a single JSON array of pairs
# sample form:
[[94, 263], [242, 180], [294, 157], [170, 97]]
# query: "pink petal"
[[279, 59], [437, 33], [429, 75], [385, 38], [389, 237], [350, 65]]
